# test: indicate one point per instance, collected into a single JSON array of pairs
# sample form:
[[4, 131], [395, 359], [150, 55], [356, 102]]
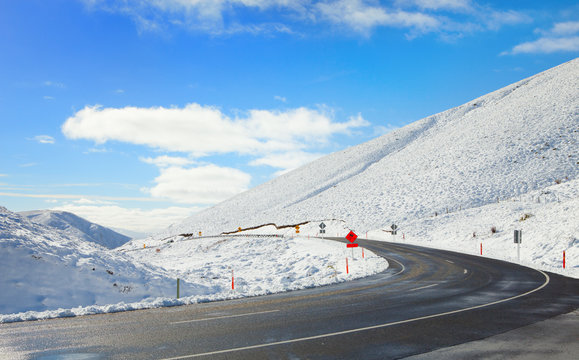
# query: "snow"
[[509, 144], [507, 160], [76, 226], [48, 273], [548, 218]]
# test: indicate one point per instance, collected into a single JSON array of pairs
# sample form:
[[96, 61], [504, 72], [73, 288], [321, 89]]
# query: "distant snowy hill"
[[44, 268], [75, 226], [509, 143]]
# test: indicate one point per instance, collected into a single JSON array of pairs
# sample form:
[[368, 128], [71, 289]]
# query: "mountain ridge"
[[78, 227]]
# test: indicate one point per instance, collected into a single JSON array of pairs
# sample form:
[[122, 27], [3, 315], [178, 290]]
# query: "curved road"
[[427, 299]]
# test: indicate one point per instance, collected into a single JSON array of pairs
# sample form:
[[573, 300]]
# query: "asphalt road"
[[428, 299]]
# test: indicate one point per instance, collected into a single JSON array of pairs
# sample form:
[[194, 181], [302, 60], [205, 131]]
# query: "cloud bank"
[[562, 37]]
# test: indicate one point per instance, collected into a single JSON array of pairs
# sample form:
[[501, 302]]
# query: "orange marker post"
[[347, 271]]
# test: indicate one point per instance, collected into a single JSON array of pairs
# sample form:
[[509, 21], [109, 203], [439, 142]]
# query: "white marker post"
[[518, 240]]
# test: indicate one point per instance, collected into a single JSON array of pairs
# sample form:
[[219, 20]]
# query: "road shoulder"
[[555, 338]]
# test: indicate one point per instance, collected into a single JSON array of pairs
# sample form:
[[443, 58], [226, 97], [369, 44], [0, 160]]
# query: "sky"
[[137, 113]]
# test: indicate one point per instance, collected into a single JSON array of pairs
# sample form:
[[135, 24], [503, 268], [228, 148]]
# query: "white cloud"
[[54, 84], [166, 161], [560, 38], [44, 139], [494, 20], [361, 17], [76, 197], [546, 46], [437, 4], [226, 17], [561, 29], [199, 15], [202, 130], [280, 98], [146, 221], [566, 28], [85, 201], [201, 185]]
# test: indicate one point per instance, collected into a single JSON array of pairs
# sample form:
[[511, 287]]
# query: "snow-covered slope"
[[77, 227], [43, 268], [46, 272], [516, 140]]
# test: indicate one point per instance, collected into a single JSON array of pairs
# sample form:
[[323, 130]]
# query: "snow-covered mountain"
[[44, 268], [77, 227], [517, 139], [506, 144]]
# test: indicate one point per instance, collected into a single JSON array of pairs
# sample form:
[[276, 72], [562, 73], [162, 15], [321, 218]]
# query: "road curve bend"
[[427, 299]]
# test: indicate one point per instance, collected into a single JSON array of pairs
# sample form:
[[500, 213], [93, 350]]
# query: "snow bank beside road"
[[47, 274], [549, 219], [260, 265]]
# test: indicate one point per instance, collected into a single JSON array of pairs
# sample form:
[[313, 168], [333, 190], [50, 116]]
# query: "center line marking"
[[449, 261], [224, 317], [423, 287]]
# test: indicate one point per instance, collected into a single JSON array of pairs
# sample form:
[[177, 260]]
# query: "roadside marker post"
[[347, 270], [563, 259], [481, 248], [518, 240], [232, 281], [177, 288]]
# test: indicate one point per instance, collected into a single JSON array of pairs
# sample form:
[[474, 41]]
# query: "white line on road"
[[423, 287], [547, 279], [449, 261], [224, 317]]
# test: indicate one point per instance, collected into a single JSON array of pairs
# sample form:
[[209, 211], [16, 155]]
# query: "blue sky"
[[137, 113]]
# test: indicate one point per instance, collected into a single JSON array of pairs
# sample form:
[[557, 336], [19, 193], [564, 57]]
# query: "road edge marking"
[[547, 280]]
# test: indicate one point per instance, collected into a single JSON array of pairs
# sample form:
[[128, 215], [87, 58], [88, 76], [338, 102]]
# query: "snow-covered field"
[[46, 273]]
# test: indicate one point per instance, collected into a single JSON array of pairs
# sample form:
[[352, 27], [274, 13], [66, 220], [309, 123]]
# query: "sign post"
[[322, 229], [351, 238], [518, 241]]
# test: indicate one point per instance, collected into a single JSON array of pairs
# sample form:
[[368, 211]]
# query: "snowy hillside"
[[45, 269], [509, 143], [48, 273], [75, 226]]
